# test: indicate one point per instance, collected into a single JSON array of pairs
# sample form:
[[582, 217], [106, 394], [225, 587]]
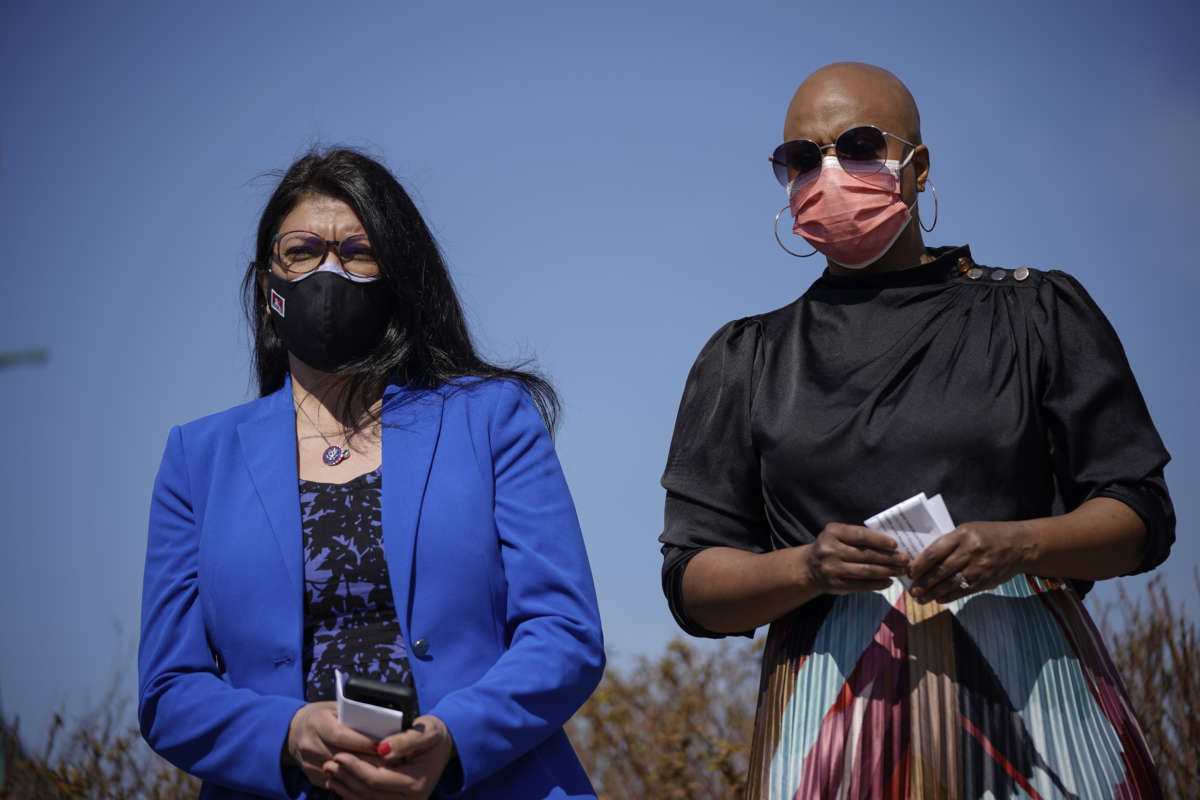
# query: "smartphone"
[[397, 696]]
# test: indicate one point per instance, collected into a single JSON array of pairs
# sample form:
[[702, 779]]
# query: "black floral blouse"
[[350, 618]]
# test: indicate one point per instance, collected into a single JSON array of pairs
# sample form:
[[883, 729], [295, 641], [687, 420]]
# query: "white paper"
[[914, 523], [365, 718], [941, 515]]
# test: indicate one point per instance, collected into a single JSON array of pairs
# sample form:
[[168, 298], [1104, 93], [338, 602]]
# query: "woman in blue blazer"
[[451, 556]]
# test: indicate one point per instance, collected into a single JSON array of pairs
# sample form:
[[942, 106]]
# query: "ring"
[[963, 583]]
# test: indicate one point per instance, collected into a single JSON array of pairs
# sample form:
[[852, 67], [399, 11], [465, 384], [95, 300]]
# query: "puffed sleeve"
[[714, 495], [1102, 440], [187, 712]]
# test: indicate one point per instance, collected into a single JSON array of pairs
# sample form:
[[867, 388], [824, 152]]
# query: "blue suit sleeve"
[[556, 653], [187, 712]]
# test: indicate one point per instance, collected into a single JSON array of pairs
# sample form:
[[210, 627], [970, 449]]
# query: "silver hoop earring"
[[933, 189], [780, 241]]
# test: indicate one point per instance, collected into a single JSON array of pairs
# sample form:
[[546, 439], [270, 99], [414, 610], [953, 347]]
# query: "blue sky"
[[597, 177]]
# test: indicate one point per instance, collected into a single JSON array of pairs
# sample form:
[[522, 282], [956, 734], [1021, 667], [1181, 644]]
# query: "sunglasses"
[[862, 148]]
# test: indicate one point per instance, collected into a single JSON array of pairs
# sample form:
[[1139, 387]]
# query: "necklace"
[[333, 454]]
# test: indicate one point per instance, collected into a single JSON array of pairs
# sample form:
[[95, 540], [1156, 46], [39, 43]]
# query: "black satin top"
[[1007, 391]]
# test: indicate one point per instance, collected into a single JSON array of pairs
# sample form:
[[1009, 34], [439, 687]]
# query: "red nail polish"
[[383, 749]]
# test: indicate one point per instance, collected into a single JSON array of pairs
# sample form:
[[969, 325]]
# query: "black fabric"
[[327, 320], [350, 618], [1012, 398]]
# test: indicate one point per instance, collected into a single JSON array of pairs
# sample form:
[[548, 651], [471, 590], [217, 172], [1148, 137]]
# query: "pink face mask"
[[851, 214]]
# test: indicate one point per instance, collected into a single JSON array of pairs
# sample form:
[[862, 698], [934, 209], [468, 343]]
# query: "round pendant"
[[335, 455]]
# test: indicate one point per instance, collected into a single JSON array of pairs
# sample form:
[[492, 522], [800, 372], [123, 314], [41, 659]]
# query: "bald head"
[[840, 96], [847, 94]]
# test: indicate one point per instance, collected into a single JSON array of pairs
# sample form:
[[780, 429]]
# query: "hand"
[[315, 734], [850, 558], [986, 554], [409, 764]]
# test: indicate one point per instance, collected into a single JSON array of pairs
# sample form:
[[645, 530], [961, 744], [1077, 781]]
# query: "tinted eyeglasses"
[[864, 147], [299, 252]]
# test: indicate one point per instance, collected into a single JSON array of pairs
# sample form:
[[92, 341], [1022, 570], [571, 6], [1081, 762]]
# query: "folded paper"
[[914, 523]]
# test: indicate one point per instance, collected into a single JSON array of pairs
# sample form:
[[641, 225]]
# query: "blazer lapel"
[[412, 422], [269, 447]]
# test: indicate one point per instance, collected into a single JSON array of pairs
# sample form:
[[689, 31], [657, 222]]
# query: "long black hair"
[[426, 343]]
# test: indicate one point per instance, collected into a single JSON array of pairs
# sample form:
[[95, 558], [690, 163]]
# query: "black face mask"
[[326, 320]]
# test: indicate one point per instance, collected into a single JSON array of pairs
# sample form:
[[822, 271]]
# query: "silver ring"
[[963, 583]]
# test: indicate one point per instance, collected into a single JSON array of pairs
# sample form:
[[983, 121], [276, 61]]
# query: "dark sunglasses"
[[864, 145]]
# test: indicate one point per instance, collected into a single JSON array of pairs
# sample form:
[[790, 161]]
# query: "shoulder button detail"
[[975, 273], [1021, 273], [999, 274], [964, 264]]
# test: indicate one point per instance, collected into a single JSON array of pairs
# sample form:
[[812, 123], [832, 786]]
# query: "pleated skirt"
[[1007, 693]]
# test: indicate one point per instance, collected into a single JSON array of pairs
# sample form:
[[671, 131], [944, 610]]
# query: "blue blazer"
[[491, 582]]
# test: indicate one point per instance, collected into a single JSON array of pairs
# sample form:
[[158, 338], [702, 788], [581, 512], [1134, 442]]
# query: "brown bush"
[[672, 727], [1156, 648], [96, 759], [677, 726]]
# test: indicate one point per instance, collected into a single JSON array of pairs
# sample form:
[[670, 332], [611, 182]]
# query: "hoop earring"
[[780, 241], [933, 189]]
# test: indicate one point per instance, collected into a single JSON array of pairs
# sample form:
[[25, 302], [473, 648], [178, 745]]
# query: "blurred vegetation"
[[671, 727], [95, 758], [1156, 648], [674, 727]]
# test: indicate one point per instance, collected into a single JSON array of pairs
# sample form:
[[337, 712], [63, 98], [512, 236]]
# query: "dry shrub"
[[673, 727], [678, 726], [95, 759], [1156, 648], [99, 755]]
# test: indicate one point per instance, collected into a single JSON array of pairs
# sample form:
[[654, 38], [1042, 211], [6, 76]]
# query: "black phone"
[[397, 696]]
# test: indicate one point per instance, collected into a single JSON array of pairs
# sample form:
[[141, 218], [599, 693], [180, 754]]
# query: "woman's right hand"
[[727, 590], [315, 736], [850, 558]]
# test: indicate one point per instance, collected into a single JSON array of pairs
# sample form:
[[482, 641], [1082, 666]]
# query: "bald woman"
[[969, 669]]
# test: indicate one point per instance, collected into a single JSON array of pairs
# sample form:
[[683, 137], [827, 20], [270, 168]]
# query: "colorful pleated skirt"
[[1007, 693]]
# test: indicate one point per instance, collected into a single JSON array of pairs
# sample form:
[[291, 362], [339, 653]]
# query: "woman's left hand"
[[409, 765], [984, 554]]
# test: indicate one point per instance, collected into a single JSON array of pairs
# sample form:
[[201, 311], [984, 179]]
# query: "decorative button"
[[420, 647], [1021, 273], [975, 274], [998, 275], [964, 264]]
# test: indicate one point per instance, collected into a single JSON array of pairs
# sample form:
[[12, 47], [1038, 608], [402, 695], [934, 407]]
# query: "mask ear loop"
[[780, 241], [933, 189]]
